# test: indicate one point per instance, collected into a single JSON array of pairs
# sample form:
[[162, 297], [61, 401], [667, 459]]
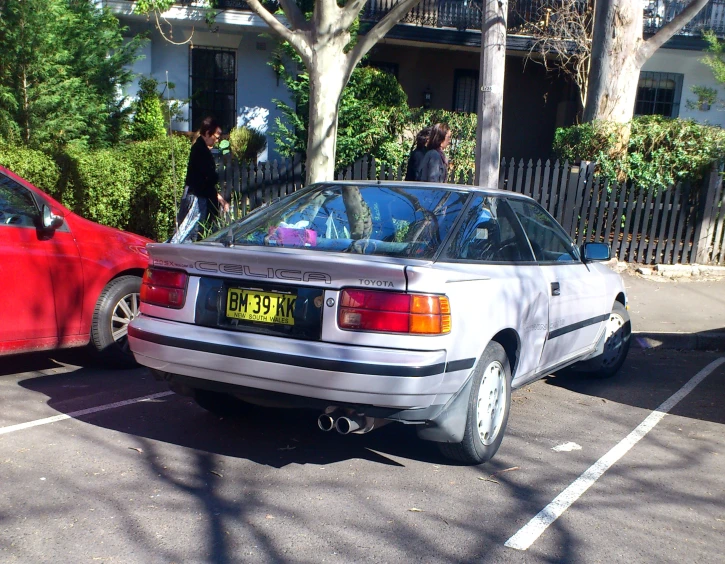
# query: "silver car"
[[383, 302]]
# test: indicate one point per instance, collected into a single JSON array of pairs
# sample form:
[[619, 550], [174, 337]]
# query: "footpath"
[[676, 311]]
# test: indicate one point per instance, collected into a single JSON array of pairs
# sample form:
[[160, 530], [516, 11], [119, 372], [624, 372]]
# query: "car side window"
[[548, 239], [17, 205], [489, 233]]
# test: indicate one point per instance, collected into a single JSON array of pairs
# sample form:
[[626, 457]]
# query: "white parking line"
[[79, 413], [527, 535]]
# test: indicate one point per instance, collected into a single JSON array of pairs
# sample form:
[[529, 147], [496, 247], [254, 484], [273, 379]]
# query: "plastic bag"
[[188, 218]]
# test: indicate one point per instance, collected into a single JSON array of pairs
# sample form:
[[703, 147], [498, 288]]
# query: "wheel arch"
[[621, 298], [511, 342]]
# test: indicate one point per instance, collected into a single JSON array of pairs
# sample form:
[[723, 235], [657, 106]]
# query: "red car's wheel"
[[117, 306]]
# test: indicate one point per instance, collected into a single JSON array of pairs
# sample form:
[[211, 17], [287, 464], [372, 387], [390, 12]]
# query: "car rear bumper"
[[337, 373]]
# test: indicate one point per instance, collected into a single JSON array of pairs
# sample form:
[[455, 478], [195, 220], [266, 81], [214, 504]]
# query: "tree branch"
[[648, 47], [294, 15], [367, 41], [298, 39], [351, 11]]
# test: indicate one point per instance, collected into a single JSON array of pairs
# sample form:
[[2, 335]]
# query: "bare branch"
[[294, 15], [298, 39], [669, 30], [366, 42], [563, 40]]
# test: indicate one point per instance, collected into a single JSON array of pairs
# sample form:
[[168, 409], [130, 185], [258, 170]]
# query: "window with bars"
[[658, 93], [213, 86], [465, 91]]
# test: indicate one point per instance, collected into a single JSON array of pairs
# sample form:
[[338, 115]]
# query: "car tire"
[[117, 306], [616, 346], [219, 403], [488, 409]]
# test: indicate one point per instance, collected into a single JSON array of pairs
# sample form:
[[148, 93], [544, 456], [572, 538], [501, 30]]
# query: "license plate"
[[267, 307]]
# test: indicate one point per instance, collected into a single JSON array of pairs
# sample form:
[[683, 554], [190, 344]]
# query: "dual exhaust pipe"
[[346, 423]]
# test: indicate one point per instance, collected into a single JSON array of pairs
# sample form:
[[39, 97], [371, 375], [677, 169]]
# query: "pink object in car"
[[293, 236]]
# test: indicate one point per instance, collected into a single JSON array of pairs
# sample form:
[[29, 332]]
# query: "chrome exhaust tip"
[[345, 425], [326, 422]]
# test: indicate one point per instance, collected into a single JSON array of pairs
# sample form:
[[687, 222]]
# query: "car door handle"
[[555, 290]]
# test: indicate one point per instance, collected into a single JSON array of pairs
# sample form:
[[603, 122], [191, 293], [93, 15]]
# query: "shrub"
[[659, 152], [153, 201], [97, 185], [148, 120], [34, 166], [246, 143]]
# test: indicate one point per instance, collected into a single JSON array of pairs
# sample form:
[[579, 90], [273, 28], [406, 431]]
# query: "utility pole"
[[490, 99]]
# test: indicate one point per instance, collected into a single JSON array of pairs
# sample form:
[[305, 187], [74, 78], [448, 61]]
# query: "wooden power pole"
[[490, 99]]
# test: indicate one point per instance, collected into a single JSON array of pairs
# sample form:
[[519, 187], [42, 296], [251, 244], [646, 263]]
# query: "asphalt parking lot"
[[161, 480]]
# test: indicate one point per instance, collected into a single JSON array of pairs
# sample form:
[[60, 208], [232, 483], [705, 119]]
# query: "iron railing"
[[658, 13], [466, 14]]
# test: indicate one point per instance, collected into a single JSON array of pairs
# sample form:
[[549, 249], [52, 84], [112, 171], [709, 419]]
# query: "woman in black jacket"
[[417, 154], [434, 166], [201, 175]]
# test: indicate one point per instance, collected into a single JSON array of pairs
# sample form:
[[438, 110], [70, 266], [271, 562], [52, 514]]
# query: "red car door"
[[27, 302]]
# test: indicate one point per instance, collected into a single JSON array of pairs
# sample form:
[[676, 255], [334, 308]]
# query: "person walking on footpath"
[[434, 166], [202, 178], [417, 154]]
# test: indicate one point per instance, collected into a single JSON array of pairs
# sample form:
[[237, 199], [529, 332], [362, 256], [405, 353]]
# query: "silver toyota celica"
[[423, 304]]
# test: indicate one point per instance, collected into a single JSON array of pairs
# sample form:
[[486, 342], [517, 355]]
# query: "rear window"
[[397, 221]]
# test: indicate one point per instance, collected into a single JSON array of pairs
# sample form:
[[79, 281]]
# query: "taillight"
[[394, 312], [165, 288]]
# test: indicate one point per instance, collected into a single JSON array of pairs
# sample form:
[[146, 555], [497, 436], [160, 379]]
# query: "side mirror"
[[50, 219], [596, 252]]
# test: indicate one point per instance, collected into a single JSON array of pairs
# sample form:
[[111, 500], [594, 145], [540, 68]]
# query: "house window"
[[465, 91], [213, 86], [658, 93]]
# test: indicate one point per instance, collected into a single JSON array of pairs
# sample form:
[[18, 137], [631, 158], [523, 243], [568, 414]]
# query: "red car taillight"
[[394, 312], [165, 288]]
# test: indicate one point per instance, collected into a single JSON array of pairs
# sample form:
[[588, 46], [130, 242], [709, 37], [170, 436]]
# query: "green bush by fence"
[[660, 151]]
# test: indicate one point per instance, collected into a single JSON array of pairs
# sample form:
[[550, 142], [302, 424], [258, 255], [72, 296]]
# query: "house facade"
[[224, 70]]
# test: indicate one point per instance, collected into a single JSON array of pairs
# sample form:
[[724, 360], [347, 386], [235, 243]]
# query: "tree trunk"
[[615, 66], [328, 77], [619, 52], [490, 105]]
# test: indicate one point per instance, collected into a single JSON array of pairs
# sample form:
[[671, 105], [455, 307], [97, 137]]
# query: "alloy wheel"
[[126, 309]]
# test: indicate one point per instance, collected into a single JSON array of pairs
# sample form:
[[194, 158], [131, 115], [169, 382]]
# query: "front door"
[[577, 296]]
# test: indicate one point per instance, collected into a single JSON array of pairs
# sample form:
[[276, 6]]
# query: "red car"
[[67, 281]]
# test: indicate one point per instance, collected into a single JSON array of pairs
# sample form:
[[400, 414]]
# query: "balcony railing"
[[657, 13], [466, 14]]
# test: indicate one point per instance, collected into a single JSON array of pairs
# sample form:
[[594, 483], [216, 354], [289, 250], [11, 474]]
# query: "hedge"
[[154, 184], [98, 186], [34, 166], [130, 186], [659, 153]]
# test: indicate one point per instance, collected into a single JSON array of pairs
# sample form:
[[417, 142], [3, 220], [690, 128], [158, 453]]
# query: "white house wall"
[[689, 63], [257, 84]]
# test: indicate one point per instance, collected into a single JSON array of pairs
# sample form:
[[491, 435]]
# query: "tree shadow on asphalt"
[[649, 377], [270, 436], [234, 500]]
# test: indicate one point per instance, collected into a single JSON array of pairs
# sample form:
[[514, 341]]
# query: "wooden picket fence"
[[682, 225]]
